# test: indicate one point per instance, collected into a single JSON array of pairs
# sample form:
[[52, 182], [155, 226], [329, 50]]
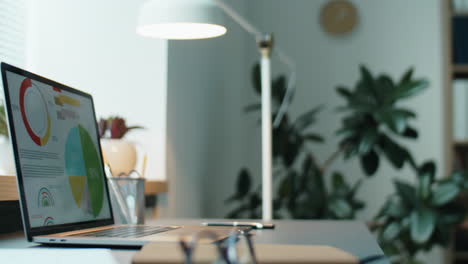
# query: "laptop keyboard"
[[129, 231]]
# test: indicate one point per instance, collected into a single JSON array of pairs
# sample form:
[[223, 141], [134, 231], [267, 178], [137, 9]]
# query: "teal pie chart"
[[83, 168]]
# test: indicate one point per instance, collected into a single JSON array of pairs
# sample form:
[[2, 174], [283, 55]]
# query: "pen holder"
[[128, 199]]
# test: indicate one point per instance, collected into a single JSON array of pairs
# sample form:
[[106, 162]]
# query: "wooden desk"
[[8, 189], [350, 236]]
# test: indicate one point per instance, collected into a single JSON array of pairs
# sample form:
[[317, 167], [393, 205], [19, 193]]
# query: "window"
[[13, 26]]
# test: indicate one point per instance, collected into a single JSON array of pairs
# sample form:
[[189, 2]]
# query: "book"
[[460, 110]]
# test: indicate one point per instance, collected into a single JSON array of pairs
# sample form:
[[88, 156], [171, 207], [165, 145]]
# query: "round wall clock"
[[338, 17]]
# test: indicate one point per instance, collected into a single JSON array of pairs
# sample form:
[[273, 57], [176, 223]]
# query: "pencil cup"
[[128, 199]]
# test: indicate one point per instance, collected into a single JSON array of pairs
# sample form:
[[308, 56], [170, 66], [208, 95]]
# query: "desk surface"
[[350, 236]]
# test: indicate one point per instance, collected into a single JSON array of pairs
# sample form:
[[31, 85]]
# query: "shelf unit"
[[452, 148], [8, 189], [456, 152]]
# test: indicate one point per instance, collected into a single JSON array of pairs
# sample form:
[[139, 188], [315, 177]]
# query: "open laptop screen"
[[57, 152]]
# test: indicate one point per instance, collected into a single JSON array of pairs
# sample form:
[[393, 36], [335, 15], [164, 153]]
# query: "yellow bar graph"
[[63, 100]]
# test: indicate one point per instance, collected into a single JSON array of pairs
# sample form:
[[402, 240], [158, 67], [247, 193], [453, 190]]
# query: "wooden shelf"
[[153, 187], [8, 189], [460, 14], [460, 71], [461, 255], [461, 144], [460, 68]]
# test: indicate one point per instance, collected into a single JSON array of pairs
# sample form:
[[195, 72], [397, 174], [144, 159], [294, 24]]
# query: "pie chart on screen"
[[84, 171], [34, 112]]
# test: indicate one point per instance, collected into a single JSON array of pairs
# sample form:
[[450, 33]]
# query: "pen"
[[254, 225]]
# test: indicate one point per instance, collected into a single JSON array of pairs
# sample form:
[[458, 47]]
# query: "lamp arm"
[[244, 23], [290, 89], [265, 44]]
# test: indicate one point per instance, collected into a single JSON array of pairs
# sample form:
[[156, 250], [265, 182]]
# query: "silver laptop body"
[[63, 192]]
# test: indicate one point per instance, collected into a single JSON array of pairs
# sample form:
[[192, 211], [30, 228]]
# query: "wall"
[[92, 45], [206, 92]]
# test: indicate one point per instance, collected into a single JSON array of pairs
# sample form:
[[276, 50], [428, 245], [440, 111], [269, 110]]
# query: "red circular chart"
[[40, 130]]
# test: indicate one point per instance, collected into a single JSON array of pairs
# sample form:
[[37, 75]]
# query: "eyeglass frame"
[[226, 248]]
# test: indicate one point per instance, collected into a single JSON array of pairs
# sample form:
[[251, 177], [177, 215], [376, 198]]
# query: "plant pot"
[[121, 155], [7, 164]]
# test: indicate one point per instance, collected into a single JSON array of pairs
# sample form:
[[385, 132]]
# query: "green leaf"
[[340, 208], [442, 236], [426, 174], [366, 78], [338, 181], [255, 201], [391, 231], [445, 193], [314, 138], [355, 188], [386, 89], [423, 222], [243, 184], [256, 79], [424, 187], [406, 77], [451, 218], [368, 139], [395, 208], [253, 107], [278, 89], [370, 162], [237, 213], [396, 154], [286, 186], [407, 192], [460, 177], [411, 88], [395, 119], [410, 133], [344, 92], [307, 119]]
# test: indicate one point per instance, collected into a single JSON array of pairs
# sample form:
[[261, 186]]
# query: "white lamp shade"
[[180, 19]]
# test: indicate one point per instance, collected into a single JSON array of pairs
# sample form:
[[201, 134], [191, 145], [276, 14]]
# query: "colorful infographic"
[[58, 152], [45, 198], [82, 166], [34, 112], [49, 221]]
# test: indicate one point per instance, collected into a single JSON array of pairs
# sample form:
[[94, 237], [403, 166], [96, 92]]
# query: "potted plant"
[[418, 216], [119, 154]]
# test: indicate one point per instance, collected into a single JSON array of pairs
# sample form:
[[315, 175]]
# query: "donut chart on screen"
[[34, 113], [84, 171]]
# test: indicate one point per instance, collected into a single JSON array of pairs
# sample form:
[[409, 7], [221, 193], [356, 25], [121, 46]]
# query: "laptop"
[[63, 191]]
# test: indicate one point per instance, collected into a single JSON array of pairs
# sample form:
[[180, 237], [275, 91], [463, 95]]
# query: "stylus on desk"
[[254, 225]]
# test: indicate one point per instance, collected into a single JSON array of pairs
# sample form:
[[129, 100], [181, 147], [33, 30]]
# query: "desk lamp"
[[198, 19]]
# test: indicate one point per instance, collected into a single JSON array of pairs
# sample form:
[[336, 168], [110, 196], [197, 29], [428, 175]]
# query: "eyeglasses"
[[237, 248]]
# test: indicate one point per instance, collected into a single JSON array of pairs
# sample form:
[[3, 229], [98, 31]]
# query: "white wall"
[[92, 46], [206, 92]]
